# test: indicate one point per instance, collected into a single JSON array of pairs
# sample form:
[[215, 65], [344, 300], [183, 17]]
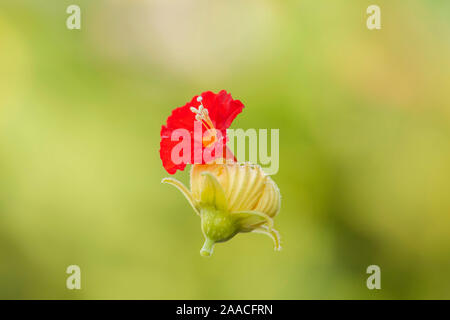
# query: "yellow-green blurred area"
[[364, 119]]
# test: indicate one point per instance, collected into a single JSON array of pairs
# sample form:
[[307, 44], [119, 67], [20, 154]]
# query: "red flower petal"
[[222, 110]]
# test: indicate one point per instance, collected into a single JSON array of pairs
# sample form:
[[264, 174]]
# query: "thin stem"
[[207, 248]]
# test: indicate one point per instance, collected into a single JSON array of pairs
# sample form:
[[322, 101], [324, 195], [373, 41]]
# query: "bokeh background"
[[364, 147]]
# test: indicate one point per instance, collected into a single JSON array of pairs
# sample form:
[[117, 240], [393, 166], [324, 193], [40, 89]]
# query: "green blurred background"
[[364, 147]]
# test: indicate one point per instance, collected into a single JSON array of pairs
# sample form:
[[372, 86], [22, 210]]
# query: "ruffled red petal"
[[222, 110]]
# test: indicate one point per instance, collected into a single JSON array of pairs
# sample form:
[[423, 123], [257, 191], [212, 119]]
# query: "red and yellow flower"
[[215, 112], [229, 197]]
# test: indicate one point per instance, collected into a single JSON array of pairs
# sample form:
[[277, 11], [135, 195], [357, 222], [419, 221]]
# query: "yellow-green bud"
[[232, 198]]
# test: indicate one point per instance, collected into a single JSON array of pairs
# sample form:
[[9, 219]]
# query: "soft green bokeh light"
[[364, 147]]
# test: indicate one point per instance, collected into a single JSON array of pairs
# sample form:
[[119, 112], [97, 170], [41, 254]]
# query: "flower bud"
[[232, 198]]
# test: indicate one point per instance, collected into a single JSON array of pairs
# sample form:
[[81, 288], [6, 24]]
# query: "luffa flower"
[[229, 197]]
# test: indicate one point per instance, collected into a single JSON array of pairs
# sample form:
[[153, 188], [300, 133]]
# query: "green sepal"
[[185, 191], [272, 233], [249, 220], [212, 193]]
